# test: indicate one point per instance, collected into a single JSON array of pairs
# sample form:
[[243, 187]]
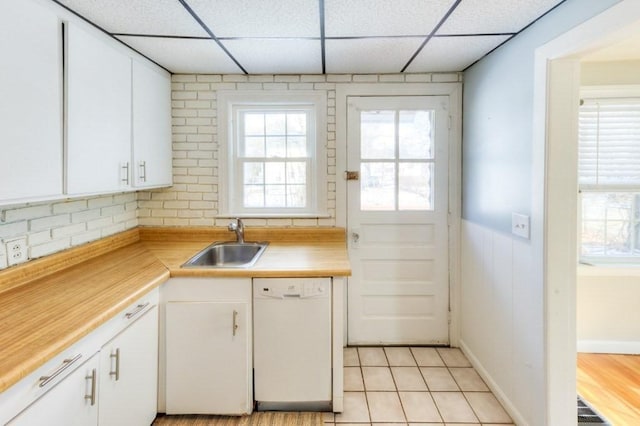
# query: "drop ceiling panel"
[[453, 53], [148, 17], [184, 56], [371, 55], [494, 16], [259, 18], [281, 56], [383, 17]]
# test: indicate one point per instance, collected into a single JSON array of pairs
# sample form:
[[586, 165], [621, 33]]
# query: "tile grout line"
[[393, 379]]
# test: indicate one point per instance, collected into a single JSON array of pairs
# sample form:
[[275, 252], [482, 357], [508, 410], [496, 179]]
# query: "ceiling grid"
[[312, 36]]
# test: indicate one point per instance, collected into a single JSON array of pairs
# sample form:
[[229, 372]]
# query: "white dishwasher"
[[292, 343]]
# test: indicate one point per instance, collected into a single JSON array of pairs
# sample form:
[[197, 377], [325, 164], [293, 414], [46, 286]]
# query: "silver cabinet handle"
[[143, 171], [355, 236], [135, 312], [66, 363], [125, 168], [116, 373], [92, 396], [235, 322]]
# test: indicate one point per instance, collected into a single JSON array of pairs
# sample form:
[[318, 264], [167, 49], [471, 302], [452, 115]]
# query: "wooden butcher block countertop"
[[48, 304], [292, 252]]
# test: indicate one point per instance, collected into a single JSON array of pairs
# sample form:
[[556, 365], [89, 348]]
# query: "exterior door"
[[397, 209]]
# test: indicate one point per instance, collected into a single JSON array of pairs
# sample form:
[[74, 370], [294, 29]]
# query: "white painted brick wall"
[[55, 226], [193, 200]]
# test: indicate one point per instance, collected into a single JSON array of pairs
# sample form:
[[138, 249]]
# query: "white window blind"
[[609, 143]]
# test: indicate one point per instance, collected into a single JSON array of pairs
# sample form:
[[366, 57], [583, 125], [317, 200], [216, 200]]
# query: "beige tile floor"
[[414, 386]]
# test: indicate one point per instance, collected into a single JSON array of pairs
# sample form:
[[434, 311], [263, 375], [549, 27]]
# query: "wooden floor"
[[611, 384]]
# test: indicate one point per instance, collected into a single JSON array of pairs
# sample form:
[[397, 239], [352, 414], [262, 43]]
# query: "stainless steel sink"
[[227, 255]]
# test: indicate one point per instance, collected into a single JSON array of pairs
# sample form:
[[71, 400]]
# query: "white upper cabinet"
[[98, 148], [31, 102], [151, 126]]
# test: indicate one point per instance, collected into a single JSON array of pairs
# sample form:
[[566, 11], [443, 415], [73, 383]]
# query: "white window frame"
[[595, 92], [230, 179]]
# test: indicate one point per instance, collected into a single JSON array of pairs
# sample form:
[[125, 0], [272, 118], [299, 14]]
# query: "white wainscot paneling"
[[502, 322]]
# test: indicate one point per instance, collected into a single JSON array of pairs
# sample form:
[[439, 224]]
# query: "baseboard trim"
[[517, 418], [609, 347]]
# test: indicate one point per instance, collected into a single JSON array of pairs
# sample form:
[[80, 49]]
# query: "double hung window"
[[276, 156], [609, 176]]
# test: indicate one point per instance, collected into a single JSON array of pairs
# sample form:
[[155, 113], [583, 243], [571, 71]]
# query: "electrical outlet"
[[3, 256], [16, 251]]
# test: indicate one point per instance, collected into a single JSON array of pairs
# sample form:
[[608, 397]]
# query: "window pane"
[[275, 196], [296, 196], [254, 146], [619, 206], [377, 135], [275, 124], [593, 238], [254, 196], [594, 205], [296, 146], [378, 186], [297, 124], [618, 243], [253, 123], [276, 147], [415, 182], [274, 173], [296, 173], [254, 173], [415, 135]]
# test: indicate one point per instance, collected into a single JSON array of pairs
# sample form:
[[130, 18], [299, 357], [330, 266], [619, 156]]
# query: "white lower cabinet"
[[208, 346], [129, 374], [73, 401], [110, 377]]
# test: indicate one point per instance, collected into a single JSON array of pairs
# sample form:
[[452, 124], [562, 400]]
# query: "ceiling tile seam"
[[322, 37], [109, 34], [437, 27], [235, 38], [213, 36], [515, 34]]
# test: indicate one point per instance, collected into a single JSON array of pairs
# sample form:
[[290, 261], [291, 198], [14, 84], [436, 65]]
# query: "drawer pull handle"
[[92, 396], [235, 322], [66, 363], [138, 309], [116, 373]]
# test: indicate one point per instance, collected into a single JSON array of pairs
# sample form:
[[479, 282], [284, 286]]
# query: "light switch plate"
[[520, 225]]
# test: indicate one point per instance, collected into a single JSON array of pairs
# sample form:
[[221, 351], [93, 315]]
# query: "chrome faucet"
[[238, 228]]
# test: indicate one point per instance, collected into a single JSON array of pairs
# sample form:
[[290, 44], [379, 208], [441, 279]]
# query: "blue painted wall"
[[498, 119]]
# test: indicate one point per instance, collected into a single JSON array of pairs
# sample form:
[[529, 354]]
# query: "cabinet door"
[[31, 102], [207, 360], [151, 126], [129, 374], [98, 80], [71, 402]]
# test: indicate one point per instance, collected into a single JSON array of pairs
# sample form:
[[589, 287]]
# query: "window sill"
[[273, 216], [609, 270]]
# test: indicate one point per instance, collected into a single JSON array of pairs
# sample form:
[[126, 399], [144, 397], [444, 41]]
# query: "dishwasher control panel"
[[292, 288]]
